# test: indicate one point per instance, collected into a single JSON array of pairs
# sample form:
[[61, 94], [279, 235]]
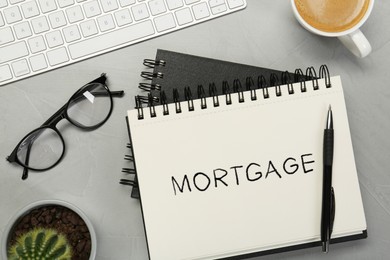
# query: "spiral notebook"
[[174, 72], [174, 76], [208, 191]]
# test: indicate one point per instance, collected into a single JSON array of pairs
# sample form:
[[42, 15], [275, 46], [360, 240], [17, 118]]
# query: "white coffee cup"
[[352, 38]]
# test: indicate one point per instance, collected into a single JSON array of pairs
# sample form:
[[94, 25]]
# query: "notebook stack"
[[228, 159]]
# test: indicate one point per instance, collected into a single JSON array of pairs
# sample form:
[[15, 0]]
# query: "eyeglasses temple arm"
[[80, 96], [25, 170], [119, 93]]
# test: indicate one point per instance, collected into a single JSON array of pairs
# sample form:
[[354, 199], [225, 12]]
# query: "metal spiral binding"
[[250, 86], [188, 98], [130, 171], [274, 82], [226, 92], [324, 74], [202, 97], [146, 99], [213, 94], [286, 80], [299, 77], [138, 106], [311, 73], [151, 106], [129, 157], [237, 88], [176, 100], [163, 99], [150, 75], [149, 86], [262, 84], [153, 63]]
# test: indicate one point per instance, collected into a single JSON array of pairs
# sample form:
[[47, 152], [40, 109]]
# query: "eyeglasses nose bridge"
[[57, 117]]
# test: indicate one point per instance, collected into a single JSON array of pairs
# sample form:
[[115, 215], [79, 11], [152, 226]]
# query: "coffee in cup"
[[336, 18]]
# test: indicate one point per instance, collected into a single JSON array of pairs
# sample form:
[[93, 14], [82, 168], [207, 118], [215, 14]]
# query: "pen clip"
[[333, 211]]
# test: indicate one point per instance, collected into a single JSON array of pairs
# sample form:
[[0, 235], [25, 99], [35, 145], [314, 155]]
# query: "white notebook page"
[[244, 177]]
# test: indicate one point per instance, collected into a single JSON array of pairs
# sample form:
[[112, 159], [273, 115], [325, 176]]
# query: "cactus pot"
[[66, 217]]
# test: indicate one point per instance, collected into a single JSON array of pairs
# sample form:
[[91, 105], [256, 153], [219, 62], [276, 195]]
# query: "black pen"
[[328, 200]]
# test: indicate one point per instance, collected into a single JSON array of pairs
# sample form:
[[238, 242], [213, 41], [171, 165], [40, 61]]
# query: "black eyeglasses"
[[88, 108]]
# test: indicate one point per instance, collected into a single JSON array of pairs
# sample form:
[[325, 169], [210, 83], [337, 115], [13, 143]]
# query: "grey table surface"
[[265, 34]]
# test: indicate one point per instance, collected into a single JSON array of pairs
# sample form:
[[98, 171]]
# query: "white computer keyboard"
[[40, 35]]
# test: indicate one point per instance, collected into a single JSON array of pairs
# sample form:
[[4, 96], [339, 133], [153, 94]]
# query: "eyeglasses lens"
[[41, 149], [91, 106]]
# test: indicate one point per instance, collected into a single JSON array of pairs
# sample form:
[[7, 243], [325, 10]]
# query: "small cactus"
[[40, 244]]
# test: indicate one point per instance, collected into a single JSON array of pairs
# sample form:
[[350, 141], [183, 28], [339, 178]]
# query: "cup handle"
[[357, 43]]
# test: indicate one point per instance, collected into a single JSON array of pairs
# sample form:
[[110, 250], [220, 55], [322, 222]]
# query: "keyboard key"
[[235, 3], [13, 51], [219, 9], [109, 5], [184, 16], [36, 44], [40, 24], [20, 68], [57, 19], [38, 62], [57, 56], [164, 22], [123, 17], [47, 5], [191, 1], [3, 3], [5, 73], [71, 33], [122, 36], [91, 9], [140, 12], [124, 3], [54, 39], [88, 28], [106, 23], [214, 3], [12, 2], [6, 35], [174, 4], [30, 9], [201, 11], [65, 3], [12, 14], [157, 7], [22, 30], [74, 14], [1, 20]]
